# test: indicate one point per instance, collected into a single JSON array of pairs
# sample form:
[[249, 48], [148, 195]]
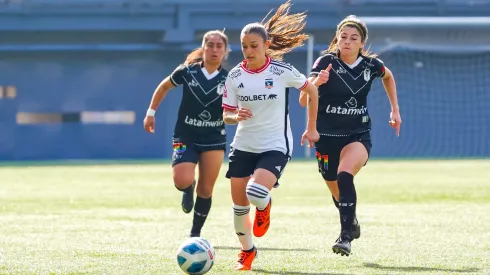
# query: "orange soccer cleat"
[[262, 220], [245, 259]]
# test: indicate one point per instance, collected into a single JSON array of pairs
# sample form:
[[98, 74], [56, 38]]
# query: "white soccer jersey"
[[265, 92]]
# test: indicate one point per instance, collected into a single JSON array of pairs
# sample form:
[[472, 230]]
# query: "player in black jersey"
[[344, 74], [199, 134]]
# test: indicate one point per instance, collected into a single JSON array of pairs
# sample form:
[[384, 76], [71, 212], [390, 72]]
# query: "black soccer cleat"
[[194, 234], [342, 244], [356, 229], [188, 198]]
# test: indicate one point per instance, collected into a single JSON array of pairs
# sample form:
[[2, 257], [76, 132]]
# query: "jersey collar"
[[259, 70], [201, 64]]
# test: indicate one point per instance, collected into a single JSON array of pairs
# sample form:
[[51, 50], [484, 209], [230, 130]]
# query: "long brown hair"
[[282, 29], [354, 22], [197, 54]]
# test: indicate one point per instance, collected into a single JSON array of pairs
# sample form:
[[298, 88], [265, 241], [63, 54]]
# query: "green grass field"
[[417, 217]]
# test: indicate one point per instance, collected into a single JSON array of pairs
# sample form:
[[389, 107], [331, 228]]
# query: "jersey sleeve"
[[320, 64], [176, 77], [379, 67], [230, 97], [296, 79]]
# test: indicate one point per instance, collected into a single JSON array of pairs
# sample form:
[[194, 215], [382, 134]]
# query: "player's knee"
[[204, 189], [182, 181], [256, 193]]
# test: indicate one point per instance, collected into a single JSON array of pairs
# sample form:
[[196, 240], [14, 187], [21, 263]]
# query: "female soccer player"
[[199, 134], [343, 120], [256, 97]]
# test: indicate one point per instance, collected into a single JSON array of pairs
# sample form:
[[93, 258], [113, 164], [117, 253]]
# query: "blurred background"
[[76, 77]]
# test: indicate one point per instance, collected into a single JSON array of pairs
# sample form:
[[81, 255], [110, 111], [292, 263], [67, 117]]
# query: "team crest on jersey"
[[367, 74], [269, 83], [220, 88]]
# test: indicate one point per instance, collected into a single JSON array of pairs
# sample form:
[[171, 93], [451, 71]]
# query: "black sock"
[[201, 211], [185, 190], [347, 201], [335, 202]]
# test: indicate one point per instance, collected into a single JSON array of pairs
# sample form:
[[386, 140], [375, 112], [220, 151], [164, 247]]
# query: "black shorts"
[[328, 152], [243, 164], [190, 152]]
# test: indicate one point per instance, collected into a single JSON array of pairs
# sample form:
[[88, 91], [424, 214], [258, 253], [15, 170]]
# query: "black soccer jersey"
[[342, 109], [200, 118]]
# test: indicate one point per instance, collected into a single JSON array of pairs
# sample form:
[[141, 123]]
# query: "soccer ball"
[[195, 256]]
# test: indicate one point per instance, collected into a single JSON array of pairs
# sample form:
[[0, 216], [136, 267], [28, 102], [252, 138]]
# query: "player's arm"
[[230, 103], [160, 93], [390, 88], [318, 75], [311, 91], [300, 82], [171, 81]]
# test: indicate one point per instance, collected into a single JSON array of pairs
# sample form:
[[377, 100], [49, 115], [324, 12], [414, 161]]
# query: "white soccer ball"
[[195, 256]]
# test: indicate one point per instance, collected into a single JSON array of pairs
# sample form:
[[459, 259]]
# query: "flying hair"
[[282, 29]]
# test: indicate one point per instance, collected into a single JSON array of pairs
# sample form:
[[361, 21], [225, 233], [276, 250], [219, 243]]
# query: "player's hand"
[[323, 76], [243, 114], [149, 124], [395, 121], [311, 135]]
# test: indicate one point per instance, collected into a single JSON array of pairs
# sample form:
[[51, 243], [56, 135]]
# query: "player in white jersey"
[[256, 97]]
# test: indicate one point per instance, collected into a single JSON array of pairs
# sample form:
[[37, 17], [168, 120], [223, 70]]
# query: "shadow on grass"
[[262, 248], [293, 272], [420, 269]]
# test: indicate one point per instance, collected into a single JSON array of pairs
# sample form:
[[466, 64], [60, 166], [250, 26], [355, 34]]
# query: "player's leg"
[[268, 171], [328, 157], [352, 158], [184, 160], [241, 166], [334, 190], [209, 166]]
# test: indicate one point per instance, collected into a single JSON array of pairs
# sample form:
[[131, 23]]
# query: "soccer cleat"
[[188, 198], [342, 244], [193, 234], [262, 220], [356, 229], [245, 259]]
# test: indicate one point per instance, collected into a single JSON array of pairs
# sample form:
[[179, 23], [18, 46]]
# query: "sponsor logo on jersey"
[[351, 103], [275, 70], [205, 115], [350, 110], [345, 111], [235, 74], [269, 83], [257, 97], [204, 120], [193, 83]]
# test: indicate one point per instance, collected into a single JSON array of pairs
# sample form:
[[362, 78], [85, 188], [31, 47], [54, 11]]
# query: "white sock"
[[258, 194], [243, 226]]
